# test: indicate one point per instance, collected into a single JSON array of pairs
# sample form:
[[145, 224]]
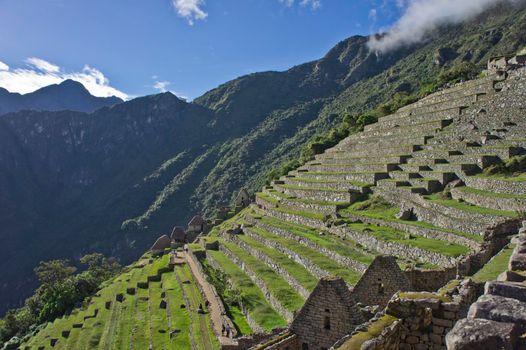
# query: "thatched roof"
[[178, 234], [161, 243]]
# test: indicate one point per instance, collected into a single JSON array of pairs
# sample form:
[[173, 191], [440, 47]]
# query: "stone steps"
[[414, 228], [366, 177], [461, 91], [394, 148], [401, 185], [326, 184], [383, 123], [436, 215], [312, 244], [321, 194], [418, 129], [489, 200], [459, 169], [343, 158], [460, 102], [496, 185], [351, 168]]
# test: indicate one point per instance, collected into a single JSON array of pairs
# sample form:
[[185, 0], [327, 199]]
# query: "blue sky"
[[136, 44]]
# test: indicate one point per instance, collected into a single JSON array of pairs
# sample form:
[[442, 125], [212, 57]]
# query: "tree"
[[52, 272]]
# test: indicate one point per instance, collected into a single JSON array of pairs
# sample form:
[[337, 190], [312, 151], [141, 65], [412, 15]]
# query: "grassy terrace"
[[316, 257], [389, 234], [470, 208], [512, 178], [294, 187], [304, 277], [250, 294], [137, 321], [351, 182], [388, 213], [202, 332], [497, 265], [277, 286], [300, 200], [489, 193], [305, 214], [333, 243]]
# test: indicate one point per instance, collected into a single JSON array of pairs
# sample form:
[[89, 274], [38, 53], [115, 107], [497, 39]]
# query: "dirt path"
[[213, 307]]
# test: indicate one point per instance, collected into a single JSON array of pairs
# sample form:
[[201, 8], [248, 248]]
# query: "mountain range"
[[68, 95], [113, 180]]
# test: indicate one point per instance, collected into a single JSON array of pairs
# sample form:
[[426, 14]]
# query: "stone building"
[[382, 279], [242, 199], [162, 243], [329, 313], [197, 224], [178, 235]]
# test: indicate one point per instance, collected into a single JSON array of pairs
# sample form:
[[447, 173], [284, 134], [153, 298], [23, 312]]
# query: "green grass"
[[294, 187], [497, 265], [374, 330], [304, 277], [202, 331], [319, 259], [252, 297], [389, 214], [239, 320], [267, 197], [278, 287], [306, 201], [306, 214], [343, 247], [351, 182], [510, 178], [466, 207], [489, 193], [180, 317], [388, 234]]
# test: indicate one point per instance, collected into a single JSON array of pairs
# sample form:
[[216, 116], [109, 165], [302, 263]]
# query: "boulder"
[[478, 334], [500, 309], [506, 289], [405, 214]]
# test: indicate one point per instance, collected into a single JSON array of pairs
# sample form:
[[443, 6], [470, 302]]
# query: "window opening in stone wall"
[[327, 322], [381, 288], [304, 346]]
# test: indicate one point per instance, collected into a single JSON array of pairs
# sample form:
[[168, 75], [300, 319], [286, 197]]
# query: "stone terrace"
[[411, 186]]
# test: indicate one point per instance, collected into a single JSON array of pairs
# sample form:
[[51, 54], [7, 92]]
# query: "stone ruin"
[[382, 279]]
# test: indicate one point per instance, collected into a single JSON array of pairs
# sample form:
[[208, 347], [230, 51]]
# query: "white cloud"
[[191, 10], [41, 73], [423, 16], [313, 4], [42, 65], [161, 85]]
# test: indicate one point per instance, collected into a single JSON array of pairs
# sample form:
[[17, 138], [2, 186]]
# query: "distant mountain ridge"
[[68, 95], [113, 180]]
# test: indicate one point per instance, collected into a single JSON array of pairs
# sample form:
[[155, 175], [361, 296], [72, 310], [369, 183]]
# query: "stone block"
[[452, 307], [450, 315], [511, 276], [421, 347], [412, 340], [442, 322], [500, 309], [506, 289], [517, 262], [477, 334], [436, 339], [438, 330]]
